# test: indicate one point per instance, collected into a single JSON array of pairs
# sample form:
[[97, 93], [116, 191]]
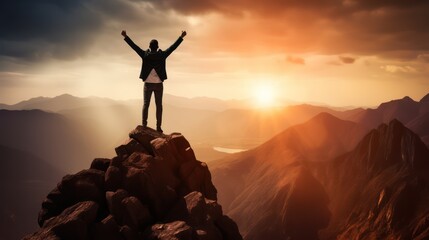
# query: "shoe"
[[158, 129]]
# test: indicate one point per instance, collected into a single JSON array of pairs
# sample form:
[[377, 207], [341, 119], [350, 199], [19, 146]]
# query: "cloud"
[[423, 57], [363, 27], [347, 60], [296, 60], [398, 69], [36, 30]]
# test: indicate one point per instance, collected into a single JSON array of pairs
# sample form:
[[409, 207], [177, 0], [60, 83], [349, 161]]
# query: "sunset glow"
[[337, 52], [265, 96]]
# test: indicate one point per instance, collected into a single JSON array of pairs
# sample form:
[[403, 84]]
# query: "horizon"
[[286, 102], [339, 53]]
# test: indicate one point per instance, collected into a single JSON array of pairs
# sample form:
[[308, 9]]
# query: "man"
[[153, 74]]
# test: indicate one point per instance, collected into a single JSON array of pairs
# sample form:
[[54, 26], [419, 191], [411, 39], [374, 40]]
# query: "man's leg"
[[147, 93], [158, 101]]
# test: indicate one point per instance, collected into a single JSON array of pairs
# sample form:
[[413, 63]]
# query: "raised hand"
[[124, 33], [183, 34]]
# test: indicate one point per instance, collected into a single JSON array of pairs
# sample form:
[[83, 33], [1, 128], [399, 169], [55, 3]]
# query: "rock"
[[107, 229], [177, 230], [196, 177], [166, 151], [144, 136], [151, 181], [83, 186], [113, 178], [100, 164], [72, 223], [154, 179], [130, 147], [136, 214], [421, 230], [114, 203], [128, 233], [228, 228]]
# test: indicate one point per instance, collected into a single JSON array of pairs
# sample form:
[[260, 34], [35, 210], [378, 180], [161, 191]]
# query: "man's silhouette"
[[153, 74]]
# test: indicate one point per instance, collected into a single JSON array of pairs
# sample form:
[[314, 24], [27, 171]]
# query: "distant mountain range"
[[102, 121], [67, 101], [414, 114], [375, 185]]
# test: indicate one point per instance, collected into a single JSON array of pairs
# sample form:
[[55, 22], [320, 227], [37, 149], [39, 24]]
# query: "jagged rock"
[[72, 223], [113, 178], [197, 177], [83, 186], [130, 147], [151, 181], [154, 179], [228, 228], [114, 203], [136, 214], [100, 164], [202, 214], [107, 229], [178, 230]]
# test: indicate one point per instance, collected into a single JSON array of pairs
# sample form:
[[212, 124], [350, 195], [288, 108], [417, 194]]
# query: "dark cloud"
[[296, 60], [346, 60], [363, 27], [35, 30]]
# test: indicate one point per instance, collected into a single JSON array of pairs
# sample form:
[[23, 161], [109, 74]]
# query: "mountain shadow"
[[24, 180]]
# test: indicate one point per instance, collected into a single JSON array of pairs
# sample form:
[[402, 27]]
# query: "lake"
[[228, 150]]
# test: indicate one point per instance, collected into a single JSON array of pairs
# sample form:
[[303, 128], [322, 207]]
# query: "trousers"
[[157, 89]]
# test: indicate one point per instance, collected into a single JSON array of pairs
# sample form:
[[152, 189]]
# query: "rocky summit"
[[154, 188]]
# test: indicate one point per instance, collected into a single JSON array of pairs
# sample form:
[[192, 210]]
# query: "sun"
[[264, 96]]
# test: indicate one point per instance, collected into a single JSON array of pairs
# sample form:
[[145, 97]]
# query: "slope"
[[257, 186], [24, 180]]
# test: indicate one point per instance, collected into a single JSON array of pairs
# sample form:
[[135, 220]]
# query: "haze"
[[338, 52]]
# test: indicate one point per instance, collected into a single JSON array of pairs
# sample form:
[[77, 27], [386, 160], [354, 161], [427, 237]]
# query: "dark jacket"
[[154, 60]]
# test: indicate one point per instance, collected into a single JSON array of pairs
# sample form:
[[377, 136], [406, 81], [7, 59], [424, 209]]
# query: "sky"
[[336, 52]]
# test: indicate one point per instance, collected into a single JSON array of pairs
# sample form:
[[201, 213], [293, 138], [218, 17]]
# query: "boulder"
[[136, 215], [72, 223], [107, 229], [177, 230], [196, 177], [86, 185], [100, 164]]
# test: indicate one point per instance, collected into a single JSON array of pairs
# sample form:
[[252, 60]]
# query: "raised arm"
[[175, 44], [130, 42]]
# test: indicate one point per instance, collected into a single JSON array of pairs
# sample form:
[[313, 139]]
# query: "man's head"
[[153, 45]]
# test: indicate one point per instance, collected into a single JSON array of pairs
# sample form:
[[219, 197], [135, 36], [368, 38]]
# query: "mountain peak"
[[392, 144], [65, 95], [407, 98], [425, 98], [325, 117], [153, 188]]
